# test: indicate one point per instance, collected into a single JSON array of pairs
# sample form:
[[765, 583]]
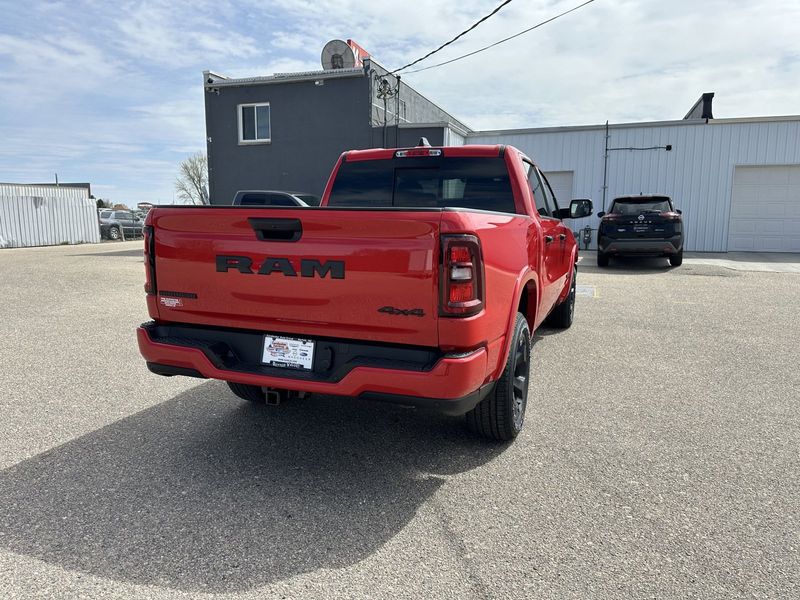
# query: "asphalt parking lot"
[[660, 458]]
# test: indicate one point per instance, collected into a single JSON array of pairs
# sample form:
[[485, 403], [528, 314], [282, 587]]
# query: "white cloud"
[[176, 34], [289, 41]]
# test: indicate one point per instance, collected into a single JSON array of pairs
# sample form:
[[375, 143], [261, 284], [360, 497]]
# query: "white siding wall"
[[45, 216], [697, 173], [453, 138]]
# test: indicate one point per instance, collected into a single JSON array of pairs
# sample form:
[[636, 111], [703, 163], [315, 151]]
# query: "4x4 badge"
[[406, 312]]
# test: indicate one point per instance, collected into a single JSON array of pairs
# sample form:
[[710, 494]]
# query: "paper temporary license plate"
[[289, 353]]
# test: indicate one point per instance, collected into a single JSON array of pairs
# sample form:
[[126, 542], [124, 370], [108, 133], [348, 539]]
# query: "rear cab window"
[[635, 206], [475, 183]]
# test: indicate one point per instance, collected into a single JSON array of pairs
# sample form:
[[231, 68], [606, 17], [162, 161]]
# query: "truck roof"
[[484, 150]]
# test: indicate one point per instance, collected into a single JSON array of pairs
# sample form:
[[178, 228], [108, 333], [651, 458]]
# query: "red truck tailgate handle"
[[276, 230]]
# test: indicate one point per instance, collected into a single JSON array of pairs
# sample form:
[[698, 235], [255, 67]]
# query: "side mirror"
[[579, 208], [601, 213], [679, 211]]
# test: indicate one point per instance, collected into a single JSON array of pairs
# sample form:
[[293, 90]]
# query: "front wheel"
[[113, 233], [501, 414], [676, 260], [563, 314]]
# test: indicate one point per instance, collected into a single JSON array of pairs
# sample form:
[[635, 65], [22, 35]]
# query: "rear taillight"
[[149, 259], [462, 276]]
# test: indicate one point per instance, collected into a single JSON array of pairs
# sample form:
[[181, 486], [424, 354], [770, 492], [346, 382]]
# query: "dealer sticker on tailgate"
[[288, 352]]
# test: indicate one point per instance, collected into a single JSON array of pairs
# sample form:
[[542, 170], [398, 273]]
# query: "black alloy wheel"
[[522, 365], [501, 414]]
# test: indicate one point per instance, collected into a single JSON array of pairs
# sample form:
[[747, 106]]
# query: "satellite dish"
[[338, 55]]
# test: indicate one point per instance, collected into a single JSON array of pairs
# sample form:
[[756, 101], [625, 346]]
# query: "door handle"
[[277, 230], [562, 236], [548, 239]]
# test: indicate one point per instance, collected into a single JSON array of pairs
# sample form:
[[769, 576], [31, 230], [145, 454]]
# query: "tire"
[[676, 260], [251, 393], [501, 414], [602, 259], [562, 315], [113, 233]]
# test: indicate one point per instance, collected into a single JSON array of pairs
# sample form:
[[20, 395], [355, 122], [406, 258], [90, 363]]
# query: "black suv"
[[646, 225]]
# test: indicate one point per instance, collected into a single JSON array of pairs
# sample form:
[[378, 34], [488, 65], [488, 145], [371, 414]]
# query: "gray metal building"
[[285, 131]]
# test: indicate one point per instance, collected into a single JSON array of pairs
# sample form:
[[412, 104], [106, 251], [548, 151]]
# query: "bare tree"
[[192, 182]]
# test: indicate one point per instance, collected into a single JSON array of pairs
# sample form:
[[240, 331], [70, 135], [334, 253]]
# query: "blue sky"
[[111, 93]]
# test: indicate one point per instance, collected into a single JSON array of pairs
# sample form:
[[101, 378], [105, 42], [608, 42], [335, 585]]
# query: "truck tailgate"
[[368, 275]]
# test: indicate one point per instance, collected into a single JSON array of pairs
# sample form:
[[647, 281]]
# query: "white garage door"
[[765, 209], [561, 182]]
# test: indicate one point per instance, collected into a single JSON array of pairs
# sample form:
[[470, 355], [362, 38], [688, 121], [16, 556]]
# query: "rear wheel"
[[113, 233], [251, 393], [562, 315], [602, 259], [501, 414], [676, 260]]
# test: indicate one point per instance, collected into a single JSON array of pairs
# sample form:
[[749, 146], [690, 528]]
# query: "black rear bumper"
[[641, 246], [240, 350]]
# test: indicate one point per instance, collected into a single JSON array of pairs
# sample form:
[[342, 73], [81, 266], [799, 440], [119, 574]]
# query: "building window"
[[403, 109], [254, 125]]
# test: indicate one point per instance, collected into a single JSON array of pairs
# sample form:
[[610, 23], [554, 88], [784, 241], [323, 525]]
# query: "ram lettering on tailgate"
[[309, 267]]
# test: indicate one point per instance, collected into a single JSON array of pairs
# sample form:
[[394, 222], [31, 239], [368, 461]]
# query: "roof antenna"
[[423, 141]]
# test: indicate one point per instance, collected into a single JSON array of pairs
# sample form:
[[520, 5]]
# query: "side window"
[[254, 123], [121, 216], [539, 197], [548, 192]]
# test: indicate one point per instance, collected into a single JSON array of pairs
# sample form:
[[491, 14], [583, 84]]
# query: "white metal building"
[[32, 215], [736, 180]]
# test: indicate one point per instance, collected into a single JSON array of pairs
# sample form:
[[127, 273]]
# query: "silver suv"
[[114, 224]]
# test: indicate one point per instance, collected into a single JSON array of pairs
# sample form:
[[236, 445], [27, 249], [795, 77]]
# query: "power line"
[[511, 37], [432, 52]]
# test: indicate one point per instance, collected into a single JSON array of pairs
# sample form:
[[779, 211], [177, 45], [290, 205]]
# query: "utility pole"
[[605, 169]]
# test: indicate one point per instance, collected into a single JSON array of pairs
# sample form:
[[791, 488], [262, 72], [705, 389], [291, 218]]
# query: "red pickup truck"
[[418, 280]]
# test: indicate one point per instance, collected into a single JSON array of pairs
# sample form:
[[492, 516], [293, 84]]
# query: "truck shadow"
[[206, 493]]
